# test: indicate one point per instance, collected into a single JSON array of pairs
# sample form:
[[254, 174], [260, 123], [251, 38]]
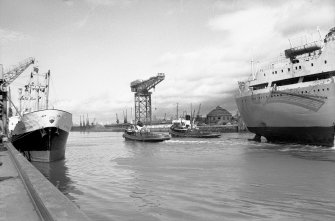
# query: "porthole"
[[323, 89], [312, 64], [299, 67], [282, 71], [325, 61], [288, 69], [318, 89], [296, 68]]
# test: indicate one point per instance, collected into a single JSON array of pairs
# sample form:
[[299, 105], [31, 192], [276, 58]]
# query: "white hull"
[[293, 99]]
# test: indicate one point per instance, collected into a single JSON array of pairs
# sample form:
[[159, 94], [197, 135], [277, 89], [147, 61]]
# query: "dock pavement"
[[25, 194]]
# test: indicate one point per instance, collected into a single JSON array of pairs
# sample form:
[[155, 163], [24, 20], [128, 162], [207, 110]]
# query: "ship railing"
[[270, 63]]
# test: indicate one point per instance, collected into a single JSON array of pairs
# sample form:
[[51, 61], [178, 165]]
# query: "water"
[[227, 178]]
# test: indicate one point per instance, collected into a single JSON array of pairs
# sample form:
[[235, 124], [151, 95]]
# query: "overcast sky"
[[95, 48]]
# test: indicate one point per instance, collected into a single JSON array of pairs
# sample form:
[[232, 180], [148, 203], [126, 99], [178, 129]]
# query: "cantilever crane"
[[5, 80], [13, 73], [143, 97]]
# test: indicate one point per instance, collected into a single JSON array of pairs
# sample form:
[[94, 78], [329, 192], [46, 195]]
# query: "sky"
[[96, 48]]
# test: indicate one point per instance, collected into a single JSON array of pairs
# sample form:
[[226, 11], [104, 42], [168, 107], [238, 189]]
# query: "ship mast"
[[47, 88]]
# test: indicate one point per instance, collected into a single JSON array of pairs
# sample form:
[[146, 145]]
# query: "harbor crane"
[[5, 80], [143, 97]]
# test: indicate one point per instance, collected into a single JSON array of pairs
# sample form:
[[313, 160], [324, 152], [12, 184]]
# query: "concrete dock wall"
[[48, 201]]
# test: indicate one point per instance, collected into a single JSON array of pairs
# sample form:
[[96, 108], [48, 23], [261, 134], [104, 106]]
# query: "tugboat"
[[143, 134], [38, 132], [184, 128]]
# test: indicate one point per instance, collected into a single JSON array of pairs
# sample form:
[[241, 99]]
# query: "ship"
[[39, 132], [143, 134], [292, 99], [185, 128]]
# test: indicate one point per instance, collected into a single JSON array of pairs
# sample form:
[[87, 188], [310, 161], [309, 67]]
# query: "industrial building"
[[218, 116]]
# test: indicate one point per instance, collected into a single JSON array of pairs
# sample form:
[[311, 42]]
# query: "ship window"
[[312, 64], [299, 67], [327, 89], [275, 72], [318, 89], [259, 86], [325, 61], [296, 68], [288, 69], [323, 89], [264, 74], [320, 76], [282, 71], [286, 81]]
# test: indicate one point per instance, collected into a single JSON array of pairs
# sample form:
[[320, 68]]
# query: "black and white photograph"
[[167, 110]]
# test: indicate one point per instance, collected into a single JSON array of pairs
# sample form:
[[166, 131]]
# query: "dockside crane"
[[198, 113], [6, 78], [117, 119], [142, 96]]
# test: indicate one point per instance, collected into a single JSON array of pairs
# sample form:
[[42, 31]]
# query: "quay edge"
[[48, 201]]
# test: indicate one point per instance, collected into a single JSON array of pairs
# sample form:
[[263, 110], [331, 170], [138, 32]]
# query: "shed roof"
[[218, 111]]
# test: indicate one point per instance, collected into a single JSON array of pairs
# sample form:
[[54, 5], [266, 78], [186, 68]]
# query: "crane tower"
[[143, 97], [6, 78]]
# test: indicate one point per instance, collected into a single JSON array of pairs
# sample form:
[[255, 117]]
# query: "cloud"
[[68, 2], [310, 16], [210, 75], [83, 22], [207, 76], [123, 3], [11, 36]]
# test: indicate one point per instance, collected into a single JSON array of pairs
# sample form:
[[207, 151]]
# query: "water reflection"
[[58, 174]]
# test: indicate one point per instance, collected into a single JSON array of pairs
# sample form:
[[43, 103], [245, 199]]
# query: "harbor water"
[[227, 178]]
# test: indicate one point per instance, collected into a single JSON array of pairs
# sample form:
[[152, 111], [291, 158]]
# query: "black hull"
[[193, 134], [144, 138], [48, 142], [320, 136]]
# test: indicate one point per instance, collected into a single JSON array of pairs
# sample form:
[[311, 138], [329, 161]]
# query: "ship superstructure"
[[292, 99]]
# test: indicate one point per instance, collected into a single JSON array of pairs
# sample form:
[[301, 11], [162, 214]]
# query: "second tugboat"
[[143, 134], [184, 128], [39, 133]]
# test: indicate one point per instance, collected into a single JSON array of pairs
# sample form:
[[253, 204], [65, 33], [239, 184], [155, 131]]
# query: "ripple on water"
[[228, 178]]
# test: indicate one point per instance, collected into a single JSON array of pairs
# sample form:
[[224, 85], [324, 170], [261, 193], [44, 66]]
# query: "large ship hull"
[[300, 113], [42, 135]]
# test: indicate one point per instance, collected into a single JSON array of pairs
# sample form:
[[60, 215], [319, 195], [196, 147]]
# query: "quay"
[[25, 194]]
